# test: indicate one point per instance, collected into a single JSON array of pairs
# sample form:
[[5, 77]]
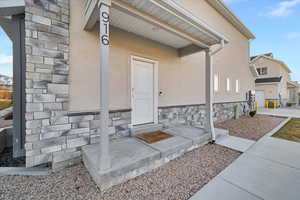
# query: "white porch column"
[[209, 92], [104, 157]]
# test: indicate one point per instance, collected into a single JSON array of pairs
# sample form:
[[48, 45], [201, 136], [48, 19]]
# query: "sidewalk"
[[280, 112], [269, 170]]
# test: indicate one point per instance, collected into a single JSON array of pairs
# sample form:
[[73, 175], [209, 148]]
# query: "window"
[[262, 71], [227, 84], [237, 86], [216, 82]]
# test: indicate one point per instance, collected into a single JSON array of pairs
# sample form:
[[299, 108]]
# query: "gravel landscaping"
[[250, 128], [177, 180]]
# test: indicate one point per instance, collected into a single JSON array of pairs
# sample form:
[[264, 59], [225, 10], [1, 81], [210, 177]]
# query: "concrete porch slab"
[[264, 178], [221, 189], [129, 158], [174, 145], [235, 143], [278, 150], [197, 135]]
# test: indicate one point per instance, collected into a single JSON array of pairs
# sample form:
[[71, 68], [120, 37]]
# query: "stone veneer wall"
[[194, 115], [54, 135]]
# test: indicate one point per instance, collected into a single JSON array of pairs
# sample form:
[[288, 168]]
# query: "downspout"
[[209, 90]]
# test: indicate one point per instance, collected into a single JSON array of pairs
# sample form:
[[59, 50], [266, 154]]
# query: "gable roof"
[[228, 14], [266, 54], [269, 56], [269, 80]]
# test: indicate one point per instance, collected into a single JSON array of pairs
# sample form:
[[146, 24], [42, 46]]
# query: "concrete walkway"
[[281, 112], [269, 170], [235, 143]]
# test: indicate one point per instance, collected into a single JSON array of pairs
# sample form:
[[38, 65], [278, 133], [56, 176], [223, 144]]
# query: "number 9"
[[105, 16]]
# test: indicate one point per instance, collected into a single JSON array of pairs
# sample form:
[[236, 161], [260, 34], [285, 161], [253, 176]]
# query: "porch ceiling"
[[11, 7], [142, 28], [162, 21]]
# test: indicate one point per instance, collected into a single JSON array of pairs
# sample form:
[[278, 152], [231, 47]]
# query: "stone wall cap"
[[95, 112]]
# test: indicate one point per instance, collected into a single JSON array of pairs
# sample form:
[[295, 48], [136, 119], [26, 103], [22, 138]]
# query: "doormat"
[[153, 137]]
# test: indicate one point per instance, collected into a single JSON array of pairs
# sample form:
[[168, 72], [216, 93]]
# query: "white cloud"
[[6, 59], [284, 8], [292, 36]]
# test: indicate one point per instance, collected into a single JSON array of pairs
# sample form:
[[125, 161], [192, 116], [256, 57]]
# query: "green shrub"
[[288, 105], [252, 113]]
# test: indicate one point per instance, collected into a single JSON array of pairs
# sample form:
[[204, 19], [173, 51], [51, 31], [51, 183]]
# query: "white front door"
[[143, 87], [260, 98]]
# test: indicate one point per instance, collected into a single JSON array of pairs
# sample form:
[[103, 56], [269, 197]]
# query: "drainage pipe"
[[209, 88]]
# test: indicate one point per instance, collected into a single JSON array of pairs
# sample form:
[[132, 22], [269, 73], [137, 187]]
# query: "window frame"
[[228, 84], [262, 71], [216, 77], [237, 86]]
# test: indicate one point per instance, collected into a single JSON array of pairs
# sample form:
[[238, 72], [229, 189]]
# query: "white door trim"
[[155, 95]]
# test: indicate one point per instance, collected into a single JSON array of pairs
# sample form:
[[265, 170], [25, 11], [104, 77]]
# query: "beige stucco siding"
[[270, 90], [275, 69], [182, 80]]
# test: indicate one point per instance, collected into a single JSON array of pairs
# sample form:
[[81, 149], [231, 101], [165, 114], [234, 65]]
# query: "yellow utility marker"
[[267, 104], [275, 106]]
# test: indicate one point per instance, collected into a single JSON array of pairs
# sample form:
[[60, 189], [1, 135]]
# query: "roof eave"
[[9, 7], [228, 14], [92, 15]]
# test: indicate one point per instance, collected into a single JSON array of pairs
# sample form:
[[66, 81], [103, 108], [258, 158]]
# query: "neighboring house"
[[273, 82], [5, 80], [161, 63]]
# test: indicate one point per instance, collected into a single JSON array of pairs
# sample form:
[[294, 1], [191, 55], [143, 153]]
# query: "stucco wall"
[[275, 69], [270, 90], [182, 80]]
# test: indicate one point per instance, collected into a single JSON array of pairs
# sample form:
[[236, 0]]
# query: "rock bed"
[[250, 128], [178, 179]]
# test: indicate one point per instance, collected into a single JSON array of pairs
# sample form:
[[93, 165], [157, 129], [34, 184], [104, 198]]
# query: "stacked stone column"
[[47, 90]]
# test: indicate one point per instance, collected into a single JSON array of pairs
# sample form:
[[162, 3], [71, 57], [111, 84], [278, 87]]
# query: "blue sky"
[[5, 54], [276, 24]]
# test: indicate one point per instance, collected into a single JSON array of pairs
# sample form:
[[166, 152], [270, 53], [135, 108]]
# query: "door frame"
[[155, 87], [15, 29]]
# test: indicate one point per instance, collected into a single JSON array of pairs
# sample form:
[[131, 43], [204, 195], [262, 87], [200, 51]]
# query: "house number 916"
[[105, 20]]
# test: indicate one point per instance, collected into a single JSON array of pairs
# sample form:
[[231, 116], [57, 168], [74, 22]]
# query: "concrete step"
[[129, 158], [22, 171], [146, 128]]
